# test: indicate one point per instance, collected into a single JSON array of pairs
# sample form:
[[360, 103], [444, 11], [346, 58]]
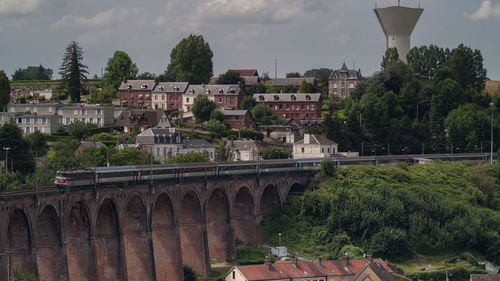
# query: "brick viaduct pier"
[[137, 232]]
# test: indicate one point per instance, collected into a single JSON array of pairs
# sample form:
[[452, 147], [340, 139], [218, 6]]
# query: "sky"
[[299, 34]]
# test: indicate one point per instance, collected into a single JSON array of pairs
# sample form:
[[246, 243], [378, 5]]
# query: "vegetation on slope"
[[394, 212]]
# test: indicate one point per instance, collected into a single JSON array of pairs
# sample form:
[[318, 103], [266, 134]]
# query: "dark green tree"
[[33, 73], [466, 65], [425, 61], [255, 89], [217, 115], [202, 108], [146, 76], [468, 126], [289, 89], [318, 72], [37, 143], [189, 274], [305, 87], [4, 90], [391, 56], [230, 77], [78, 129], [293, 75], [19, 156], [275, 152], [119, 67], [191, 61], [72, 71], [248, 103], [263, 114]]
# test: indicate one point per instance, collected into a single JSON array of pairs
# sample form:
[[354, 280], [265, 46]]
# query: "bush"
[[274, 152]]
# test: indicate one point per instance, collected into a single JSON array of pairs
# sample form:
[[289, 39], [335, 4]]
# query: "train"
[[158, 172]]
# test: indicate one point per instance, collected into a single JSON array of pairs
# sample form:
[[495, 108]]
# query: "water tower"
[[398, 23]]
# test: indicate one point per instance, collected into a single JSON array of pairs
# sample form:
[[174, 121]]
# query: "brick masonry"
[[137, 232]]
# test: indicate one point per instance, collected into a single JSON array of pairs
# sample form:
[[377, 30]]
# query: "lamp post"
[[491, 149], [6, 158], [279, 239]]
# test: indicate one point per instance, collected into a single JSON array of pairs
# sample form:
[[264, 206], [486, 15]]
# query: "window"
[[84, 112], [19, 120], [162, 97], [99, 112], [27, 130], [234, 275], [158, 151], [50, 108], [351, 85], [28, 120], [281, 106], [328, 150], [322, 150], [35, 109], [302, 150], [231, 100], [335, 85], [91, 120], [12, 109], [187, 99], [68, 120], [75, 112], [59, 112], [297, 107], [43, 129], [156, 97], [220, 100], [99, 121], [44, 120], [60, 120], [343, 85], [312, 106]]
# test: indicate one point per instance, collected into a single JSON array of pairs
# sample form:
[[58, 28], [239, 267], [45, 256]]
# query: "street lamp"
[[6, 159], [279, 239]]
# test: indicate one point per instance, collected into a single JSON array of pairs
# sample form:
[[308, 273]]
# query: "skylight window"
[[332, 271]]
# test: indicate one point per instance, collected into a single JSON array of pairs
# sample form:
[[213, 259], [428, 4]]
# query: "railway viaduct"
[[137, 232]]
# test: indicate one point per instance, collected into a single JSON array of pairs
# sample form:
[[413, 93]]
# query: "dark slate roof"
[[317, 139], [281, 82], [243, 144], [196, 143], [233, 89], [485, 277], [171, 87], [306, 122], [351, 73], [245, 72], [276, 97], [137, 85], [234, 112], [158, 132], [132, 116], [251, 80]]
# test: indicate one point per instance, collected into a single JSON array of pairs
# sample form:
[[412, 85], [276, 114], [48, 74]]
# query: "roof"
[[234, 112], [377, 268], [286, 97], [304, 269], [243, 144], [281, 82], [171, 87], [317, 139], [91, 144], [232, 89], [351, 73], [251, 80], [485, 277], [246, 72], [131, 117], [137, 85], [196, 143], [306, 122], [158, 132]]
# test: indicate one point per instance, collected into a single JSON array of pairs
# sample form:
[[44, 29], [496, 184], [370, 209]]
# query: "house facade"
[[136, 93], [343, 81], [168, 95], [238, 119], [292, 105], [243, 150], [314, 146], [142, 119]]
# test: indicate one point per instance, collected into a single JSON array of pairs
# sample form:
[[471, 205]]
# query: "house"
[[243, 150], [30, 123], [319, 270], [85, 144], [198, 146], [136, 93], [314, 146], [142, 119], [168, 95], [279, 83], [251, 76], [485, 277], [292, 105], [343, 81], [224, 96], [89, 114], [373, 271], [287, 133], [238, 119]]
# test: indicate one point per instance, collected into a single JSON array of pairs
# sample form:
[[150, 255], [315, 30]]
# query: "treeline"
[[434, 102], [394, 212]]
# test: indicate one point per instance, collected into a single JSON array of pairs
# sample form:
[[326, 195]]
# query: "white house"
[[314, 146]]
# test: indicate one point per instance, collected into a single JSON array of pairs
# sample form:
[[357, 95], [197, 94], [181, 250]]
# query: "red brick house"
[[136, 93], [238, 119], [289, 106], [224, 96], [168, 95]]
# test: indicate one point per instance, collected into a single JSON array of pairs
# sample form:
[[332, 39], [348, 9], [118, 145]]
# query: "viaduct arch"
[[137, 232]]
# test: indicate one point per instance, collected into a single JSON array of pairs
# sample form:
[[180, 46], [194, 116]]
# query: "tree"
[[466, 65], [215, 126], [248, 103], [274, 152], [255, 89], [202, 108], [119, 67], [468, 126], [37, 143], [425, 61], [191, 61], [230, 77], [391, 56], [289, 89], [263, 114], [318, 72], [4, 90], [33, 73], [19, 156], [217, 115], [72, 70], [305, 87], [293, 75], [78, 129], [146, 76], [189, 274]]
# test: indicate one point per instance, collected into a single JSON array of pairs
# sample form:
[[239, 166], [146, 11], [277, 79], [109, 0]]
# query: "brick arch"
[[18, 241], [270, 200], [192, 233], [166, 244], [219, 234], [107, 242], [77, 233], [136, 241], [243, 217], [50, 256]]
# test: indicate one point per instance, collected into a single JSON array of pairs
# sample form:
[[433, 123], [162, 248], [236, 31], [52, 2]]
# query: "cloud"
[[19, 7], [485, 11], [100, 20]]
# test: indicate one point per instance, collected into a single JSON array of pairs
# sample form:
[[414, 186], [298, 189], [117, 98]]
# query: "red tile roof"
[[245, 72], [286, 269]]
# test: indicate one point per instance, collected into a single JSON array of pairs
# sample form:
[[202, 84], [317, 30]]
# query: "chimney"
[[294, 261], [124, 79], [346, 258], [156, 81], [267, 262], [307, 138], [369, 257], [320, 262]]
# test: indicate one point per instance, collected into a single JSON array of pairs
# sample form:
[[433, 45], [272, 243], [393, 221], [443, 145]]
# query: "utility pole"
[[6, 158], [491, 149]]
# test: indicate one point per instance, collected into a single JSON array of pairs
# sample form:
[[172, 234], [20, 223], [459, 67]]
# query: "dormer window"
[[130, 86], [161, 88], [232, 91], [308, 97], [176, 88], [276, 97], [221, 91], [191, 91], [261, 97], [144, 86], [207, 91], [293, 97]]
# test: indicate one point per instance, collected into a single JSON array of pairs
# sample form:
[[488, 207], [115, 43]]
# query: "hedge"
[[456, 274]]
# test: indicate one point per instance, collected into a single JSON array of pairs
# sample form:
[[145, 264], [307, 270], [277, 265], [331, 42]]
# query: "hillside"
[[398, 213]]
